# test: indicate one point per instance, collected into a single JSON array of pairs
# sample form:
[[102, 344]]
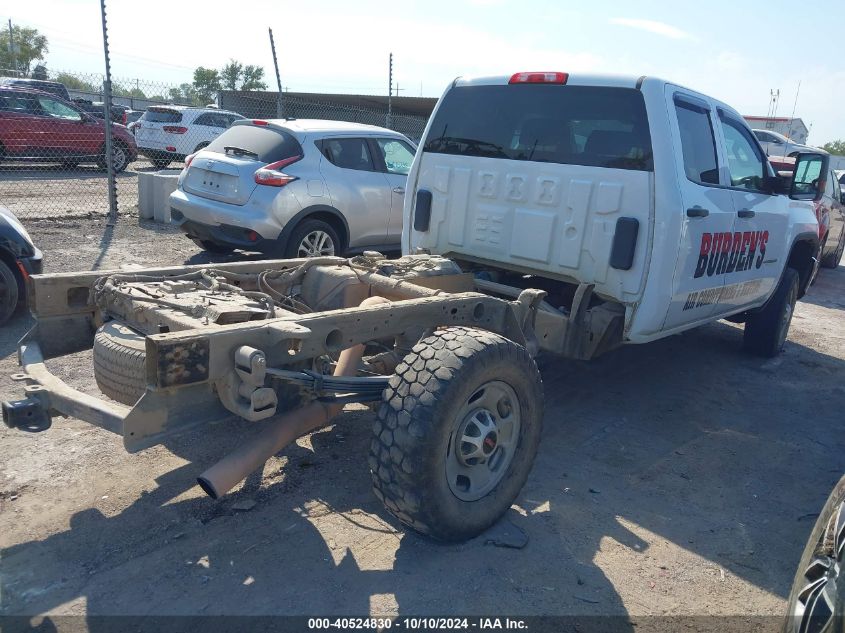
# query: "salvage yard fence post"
[[107, 105]]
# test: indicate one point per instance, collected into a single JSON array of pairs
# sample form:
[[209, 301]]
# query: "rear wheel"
[[120, 157], [766, 330], [832, 259], [457, 433], [202, 145], [8, 292], [212, 247], [313, 238]]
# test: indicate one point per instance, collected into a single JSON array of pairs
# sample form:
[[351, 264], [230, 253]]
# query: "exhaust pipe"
[[235, 467]]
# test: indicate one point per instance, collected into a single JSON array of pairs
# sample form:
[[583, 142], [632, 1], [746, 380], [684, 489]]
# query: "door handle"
[[399, 190], [697, 212], [745, 213]]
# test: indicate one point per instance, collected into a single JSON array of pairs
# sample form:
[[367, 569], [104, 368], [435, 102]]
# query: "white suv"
[[168, 133], [296, 188]]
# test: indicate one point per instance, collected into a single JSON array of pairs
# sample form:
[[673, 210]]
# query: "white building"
[[793, 129]]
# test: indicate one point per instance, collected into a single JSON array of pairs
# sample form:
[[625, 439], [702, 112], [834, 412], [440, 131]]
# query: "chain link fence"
[[52, 141]]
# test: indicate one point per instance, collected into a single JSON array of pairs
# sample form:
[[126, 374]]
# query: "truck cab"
[[658, 197]]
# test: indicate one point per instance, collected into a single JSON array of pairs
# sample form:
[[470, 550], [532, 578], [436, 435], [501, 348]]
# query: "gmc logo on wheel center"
[[723, 253]]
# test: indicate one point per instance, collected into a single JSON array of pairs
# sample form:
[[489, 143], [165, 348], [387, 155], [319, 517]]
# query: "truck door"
[[707, 209], [752, 261]]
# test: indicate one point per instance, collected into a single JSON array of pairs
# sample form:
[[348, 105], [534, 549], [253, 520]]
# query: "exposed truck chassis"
[[199, 371]]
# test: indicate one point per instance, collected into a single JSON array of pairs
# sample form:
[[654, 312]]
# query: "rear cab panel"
[[551, 171]]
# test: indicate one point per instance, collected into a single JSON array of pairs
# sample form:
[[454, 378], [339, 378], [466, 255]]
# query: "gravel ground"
[[48, 191], [676, 478]]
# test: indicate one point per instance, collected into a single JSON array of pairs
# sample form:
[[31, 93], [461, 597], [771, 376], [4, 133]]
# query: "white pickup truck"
[[545, 212], [658, 196]]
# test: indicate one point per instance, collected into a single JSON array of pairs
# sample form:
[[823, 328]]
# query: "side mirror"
[[809, 177]]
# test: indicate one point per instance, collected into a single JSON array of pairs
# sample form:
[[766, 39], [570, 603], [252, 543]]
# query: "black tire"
[[418, 426], [8, 292], [120, 359], [202, 145], [121, 157], [160, 163], [212, 247], [766, 330], [823, 557], [831, 260], [294, 247]]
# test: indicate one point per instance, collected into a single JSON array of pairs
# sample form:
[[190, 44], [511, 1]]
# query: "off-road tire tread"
[[406, 419]]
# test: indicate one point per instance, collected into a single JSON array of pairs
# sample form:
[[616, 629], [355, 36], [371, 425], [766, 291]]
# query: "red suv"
[[36, 126]]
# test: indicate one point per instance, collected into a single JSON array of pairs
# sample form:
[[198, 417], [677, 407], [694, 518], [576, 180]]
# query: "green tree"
[[206, 84], [29, 45], [835, 147], [72, 82], [252, 78], [230, 75]]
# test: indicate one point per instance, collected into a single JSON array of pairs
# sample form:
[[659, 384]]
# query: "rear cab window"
[[569, 125], [261, 143]]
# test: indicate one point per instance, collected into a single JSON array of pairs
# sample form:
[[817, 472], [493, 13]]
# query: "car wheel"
[[8, 292], [832, 260], [457, 433], [160, 163], [202, 145], [212, 247], [766, 330], [120, 158], [817, 599], [313, 238]]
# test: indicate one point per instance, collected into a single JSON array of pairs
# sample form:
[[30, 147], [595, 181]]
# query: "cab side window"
[[697, 143], [349, 153], [745, 163]]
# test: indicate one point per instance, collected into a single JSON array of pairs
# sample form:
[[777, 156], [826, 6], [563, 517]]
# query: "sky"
[[737, 51]]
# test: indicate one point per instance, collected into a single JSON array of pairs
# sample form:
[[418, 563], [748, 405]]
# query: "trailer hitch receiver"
[[27, 415]]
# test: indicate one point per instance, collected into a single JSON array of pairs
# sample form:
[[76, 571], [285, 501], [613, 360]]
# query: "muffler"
[[235, 467]]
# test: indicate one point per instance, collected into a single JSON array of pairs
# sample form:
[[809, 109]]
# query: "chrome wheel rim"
[[316, 244], [819, 602], [118, 157], [484, 441]]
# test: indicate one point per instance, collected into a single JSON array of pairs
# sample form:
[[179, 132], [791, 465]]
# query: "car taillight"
[[175, 129], [259, 122], [539, 78], [271, 175], [124, 118]]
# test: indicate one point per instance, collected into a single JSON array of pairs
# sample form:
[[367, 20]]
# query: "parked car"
[[168, 133], [53, 87], [40, 127], [775, 144], [840, 176], [830, 212], [296, 187], [831, 203], [95, 108], [816, 602], [19, 258]]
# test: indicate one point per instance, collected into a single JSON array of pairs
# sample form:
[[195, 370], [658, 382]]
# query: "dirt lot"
[[679, 478], [48, 191]]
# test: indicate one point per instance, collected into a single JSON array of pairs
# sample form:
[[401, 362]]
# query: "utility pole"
[[794, 105], [12, 49], [389, 92], [280, 109]]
